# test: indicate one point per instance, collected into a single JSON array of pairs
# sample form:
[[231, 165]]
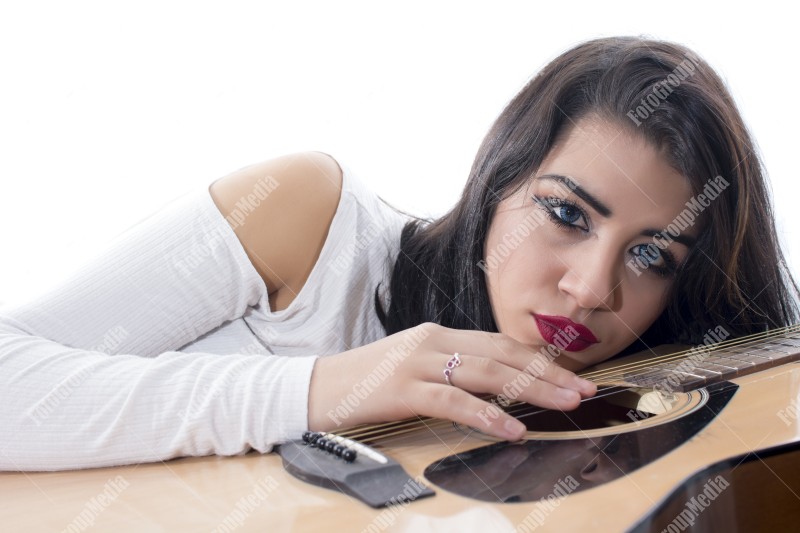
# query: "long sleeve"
[[90, 372]]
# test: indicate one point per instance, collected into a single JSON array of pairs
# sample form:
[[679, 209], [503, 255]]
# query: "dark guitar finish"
[[567, 455], [750, 445], [764, 495], [539, 464]]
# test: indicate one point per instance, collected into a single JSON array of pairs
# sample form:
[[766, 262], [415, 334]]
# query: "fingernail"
[[568, 395], [585, 386], [514, 429]]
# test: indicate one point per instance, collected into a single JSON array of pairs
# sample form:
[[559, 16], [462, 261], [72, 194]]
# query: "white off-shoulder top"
[[164, 344]]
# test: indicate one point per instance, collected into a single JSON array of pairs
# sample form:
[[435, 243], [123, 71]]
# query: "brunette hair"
[[735, 276]]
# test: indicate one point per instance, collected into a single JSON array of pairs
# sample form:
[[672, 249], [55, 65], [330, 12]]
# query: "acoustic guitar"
[[696, 439]]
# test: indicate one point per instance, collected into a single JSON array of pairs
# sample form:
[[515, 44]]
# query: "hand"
[[401, 376]]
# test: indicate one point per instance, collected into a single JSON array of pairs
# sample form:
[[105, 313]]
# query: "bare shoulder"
[[281, 210]]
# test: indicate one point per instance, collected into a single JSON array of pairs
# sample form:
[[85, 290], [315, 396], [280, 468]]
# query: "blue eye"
[[659, 261], [567, 213], [649, 254], [563, 212]]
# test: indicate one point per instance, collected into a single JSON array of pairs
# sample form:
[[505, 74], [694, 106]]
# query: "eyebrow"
[[606, 212], [581, 193]]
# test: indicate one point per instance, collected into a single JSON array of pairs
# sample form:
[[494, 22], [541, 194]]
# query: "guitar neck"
[[705, 365]]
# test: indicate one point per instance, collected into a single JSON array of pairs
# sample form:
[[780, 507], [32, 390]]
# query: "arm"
[[413, 358], [67, 403]]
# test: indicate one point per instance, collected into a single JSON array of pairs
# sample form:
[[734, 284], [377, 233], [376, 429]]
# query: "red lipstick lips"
[[564, 333]]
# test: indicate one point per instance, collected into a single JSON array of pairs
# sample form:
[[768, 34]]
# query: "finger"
[[515, 354], [546, 369], [452, 403], [484, 374]]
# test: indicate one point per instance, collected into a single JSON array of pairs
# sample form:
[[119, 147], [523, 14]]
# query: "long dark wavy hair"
[[735, 276]]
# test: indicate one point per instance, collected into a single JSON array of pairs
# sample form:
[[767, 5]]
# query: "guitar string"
[[660, 365], [413, 424], [680, 355], [409, 425], [717, 346], [406, 426], [718, 349]]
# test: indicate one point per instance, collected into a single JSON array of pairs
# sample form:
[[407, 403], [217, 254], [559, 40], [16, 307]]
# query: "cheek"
[[518, 265], [642, 307], [524, 266]]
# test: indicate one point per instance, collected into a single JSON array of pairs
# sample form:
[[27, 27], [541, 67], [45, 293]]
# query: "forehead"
[[621, 169]]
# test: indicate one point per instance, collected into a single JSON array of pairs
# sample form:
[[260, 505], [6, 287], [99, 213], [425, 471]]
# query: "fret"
[[726, 363], [756, 353], [718, 368], [720, 364], [698, 372], [647, 378], [787, 341], [754, 359], [686, 367], [736, 361], [747, 348], [665, 379], [738, 349], [778, 348], [652, 378], [766, 354]]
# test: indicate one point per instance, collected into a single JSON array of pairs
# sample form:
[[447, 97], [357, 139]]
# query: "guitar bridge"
[[342, 464]]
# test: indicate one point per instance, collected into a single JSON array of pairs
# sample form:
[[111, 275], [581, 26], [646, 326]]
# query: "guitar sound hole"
[[538, 467], [611, 406]]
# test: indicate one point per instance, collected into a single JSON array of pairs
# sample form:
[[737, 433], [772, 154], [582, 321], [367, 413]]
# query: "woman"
[[615, 204]]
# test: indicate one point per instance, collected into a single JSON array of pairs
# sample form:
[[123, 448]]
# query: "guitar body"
[[747, 453], [760, 490]]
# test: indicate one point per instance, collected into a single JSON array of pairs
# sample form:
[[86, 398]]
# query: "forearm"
[[66, 408], [89, 375]]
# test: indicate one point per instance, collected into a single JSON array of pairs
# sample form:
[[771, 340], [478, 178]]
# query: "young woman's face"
[[572, 245]]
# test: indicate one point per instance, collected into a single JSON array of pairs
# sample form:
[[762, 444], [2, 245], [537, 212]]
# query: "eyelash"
[[550, 202]]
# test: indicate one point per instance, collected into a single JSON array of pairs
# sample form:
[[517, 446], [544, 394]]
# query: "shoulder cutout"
[[283, 230]]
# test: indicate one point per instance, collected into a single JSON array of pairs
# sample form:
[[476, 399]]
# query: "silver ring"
[[451, 364]]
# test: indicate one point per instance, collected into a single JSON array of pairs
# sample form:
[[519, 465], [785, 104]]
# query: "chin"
[[573, 365], [575, 361]]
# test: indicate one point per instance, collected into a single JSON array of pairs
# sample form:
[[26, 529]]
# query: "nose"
[[593, 281]]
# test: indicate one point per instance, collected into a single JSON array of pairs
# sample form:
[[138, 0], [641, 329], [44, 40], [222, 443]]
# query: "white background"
[[110, 110]]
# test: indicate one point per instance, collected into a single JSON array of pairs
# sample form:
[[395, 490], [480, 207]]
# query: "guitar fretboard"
[[706, 365]]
